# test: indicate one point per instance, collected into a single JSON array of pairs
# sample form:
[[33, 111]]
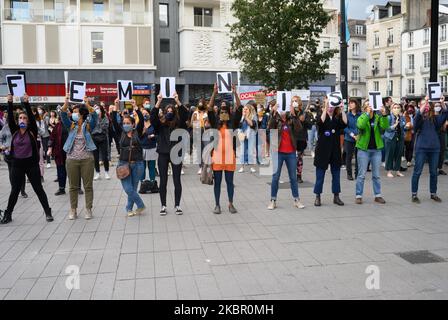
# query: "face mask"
[[22, 125], [40, 112], [437, 109], [146, 117], [98, 111], [147, 106], [75, 117], [127, 127], [169, 116], [295, 104], [396, 112]]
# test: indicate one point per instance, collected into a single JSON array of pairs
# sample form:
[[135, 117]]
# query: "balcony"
[[409, 71], [424, 69], [375, 72], [67, 15], [126, 18]]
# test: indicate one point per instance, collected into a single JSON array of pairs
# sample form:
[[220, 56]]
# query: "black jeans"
[[409, 150], [45, 148], [62, 176], [163, 162], [22, 189], [19, 169], [350, 150], [229, 182], [101, 147]]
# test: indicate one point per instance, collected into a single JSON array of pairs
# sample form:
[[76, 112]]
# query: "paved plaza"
[[315, 253]]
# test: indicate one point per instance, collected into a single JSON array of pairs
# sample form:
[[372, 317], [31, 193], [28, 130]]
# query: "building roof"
[[393, 4]]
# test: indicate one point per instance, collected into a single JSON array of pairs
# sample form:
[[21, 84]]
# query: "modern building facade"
[[384, 50], [102, 41]]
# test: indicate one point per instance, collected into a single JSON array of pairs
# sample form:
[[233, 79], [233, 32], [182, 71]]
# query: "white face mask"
[[437, 109], [295, 104]]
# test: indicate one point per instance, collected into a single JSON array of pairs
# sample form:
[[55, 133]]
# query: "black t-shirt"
[[137, 151], [372, 142]]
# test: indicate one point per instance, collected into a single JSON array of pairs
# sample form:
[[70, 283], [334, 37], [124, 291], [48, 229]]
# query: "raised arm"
[[31, 118], [212, 99], [13, 127], [236, 95], [154, 115]]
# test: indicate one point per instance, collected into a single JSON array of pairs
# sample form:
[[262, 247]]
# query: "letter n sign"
[[224, 80]]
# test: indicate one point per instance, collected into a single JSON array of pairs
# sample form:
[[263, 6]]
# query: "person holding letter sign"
[[288, 127], [427, 146], [24, 154], [369, 144], [394, 141], [330, 123], [79, 148]]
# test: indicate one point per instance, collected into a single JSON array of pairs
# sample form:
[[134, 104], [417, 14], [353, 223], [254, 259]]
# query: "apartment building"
[[384, 50], [357, 69]]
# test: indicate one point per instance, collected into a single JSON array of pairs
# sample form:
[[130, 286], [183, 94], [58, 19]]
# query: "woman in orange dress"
[[223, 154]]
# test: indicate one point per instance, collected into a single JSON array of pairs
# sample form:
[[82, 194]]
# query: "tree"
[[277, 41]]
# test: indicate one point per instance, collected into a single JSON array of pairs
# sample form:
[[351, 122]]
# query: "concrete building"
[[384, 50], [45, 37], [416, 41], [357, 54]]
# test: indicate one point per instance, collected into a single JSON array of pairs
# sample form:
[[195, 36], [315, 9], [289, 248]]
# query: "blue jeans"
[[217, 185], [130, 185], [151, 169], [248, 150], [364, 157], [335, 182], [290, 160], [420, 159], [312, 138]]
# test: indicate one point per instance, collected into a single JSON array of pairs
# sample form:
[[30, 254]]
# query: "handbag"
[[207, 174], [123, 171]]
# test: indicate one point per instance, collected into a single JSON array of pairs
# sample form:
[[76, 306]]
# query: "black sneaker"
[[80, 192], [55, 180], [163, 211], [179, 211], [60, 192], [350, 177], [24, 195], [442, 173], [299, 179], [6, 218], [415, 199], [436, 198]]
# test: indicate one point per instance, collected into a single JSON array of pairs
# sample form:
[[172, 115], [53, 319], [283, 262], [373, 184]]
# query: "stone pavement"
[[315, 253]]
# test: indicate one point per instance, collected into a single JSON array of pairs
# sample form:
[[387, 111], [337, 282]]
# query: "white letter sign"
[[167, 87], [124, 88], [224, 80], [375, 100], [335, 99], [16, 84], [77, 91], [284, 100], [434, 91]]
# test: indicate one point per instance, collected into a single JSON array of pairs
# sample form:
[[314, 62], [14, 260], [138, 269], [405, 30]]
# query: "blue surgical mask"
[[22, 125], [75, 117], [127, 127], [147, 106]]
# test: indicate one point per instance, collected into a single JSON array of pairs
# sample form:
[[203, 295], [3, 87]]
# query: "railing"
[[67, 15], [206, 21], [424, 69], [410, 70], [136, 18]]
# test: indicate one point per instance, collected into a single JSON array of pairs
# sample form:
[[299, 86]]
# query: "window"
[[163, 15], [203, 17], [20, 10], [411, 40], [355, 73], [410, 61], [165, 45], [390, 64], [444, 57], [326, 45], [390, 36], [390, 88], [444, 83], [426, 36], [98, 10], [411, 86], [376, 86], [443, 32], [426, 60], [355, 49], [377, 39], [359, 29], [425, 86], [355, 93], [97, 47], [376, 66]]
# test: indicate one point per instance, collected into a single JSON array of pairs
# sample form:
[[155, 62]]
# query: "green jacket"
[[363, 124]]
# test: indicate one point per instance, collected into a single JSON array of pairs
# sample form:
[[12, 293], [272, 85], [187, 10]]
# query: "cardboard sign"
[[375, 100], [77, 91], [224, 80], [260, 98], [434, 91], [167, 87], [335, 99], [16, 84], [284, 101], [124, 89]]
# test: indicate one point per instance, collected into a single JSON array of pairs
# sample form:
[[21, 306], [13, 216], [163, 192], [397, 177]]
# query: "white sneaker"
[[298, 204], [170, 172], [409, 164], [182, 172], [343, 167], [48, 166], [383, 164], [312, 154], [253, 170], [241, 170], [199, 171], [163, 211], [88, 214], [96, 177], [272, 205], [106, 175], [72, 215], [179, 211]]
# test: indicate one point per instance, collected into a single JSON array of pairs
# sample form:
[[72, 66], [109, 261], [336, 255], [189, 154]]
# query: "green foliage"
[[277, 41]]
